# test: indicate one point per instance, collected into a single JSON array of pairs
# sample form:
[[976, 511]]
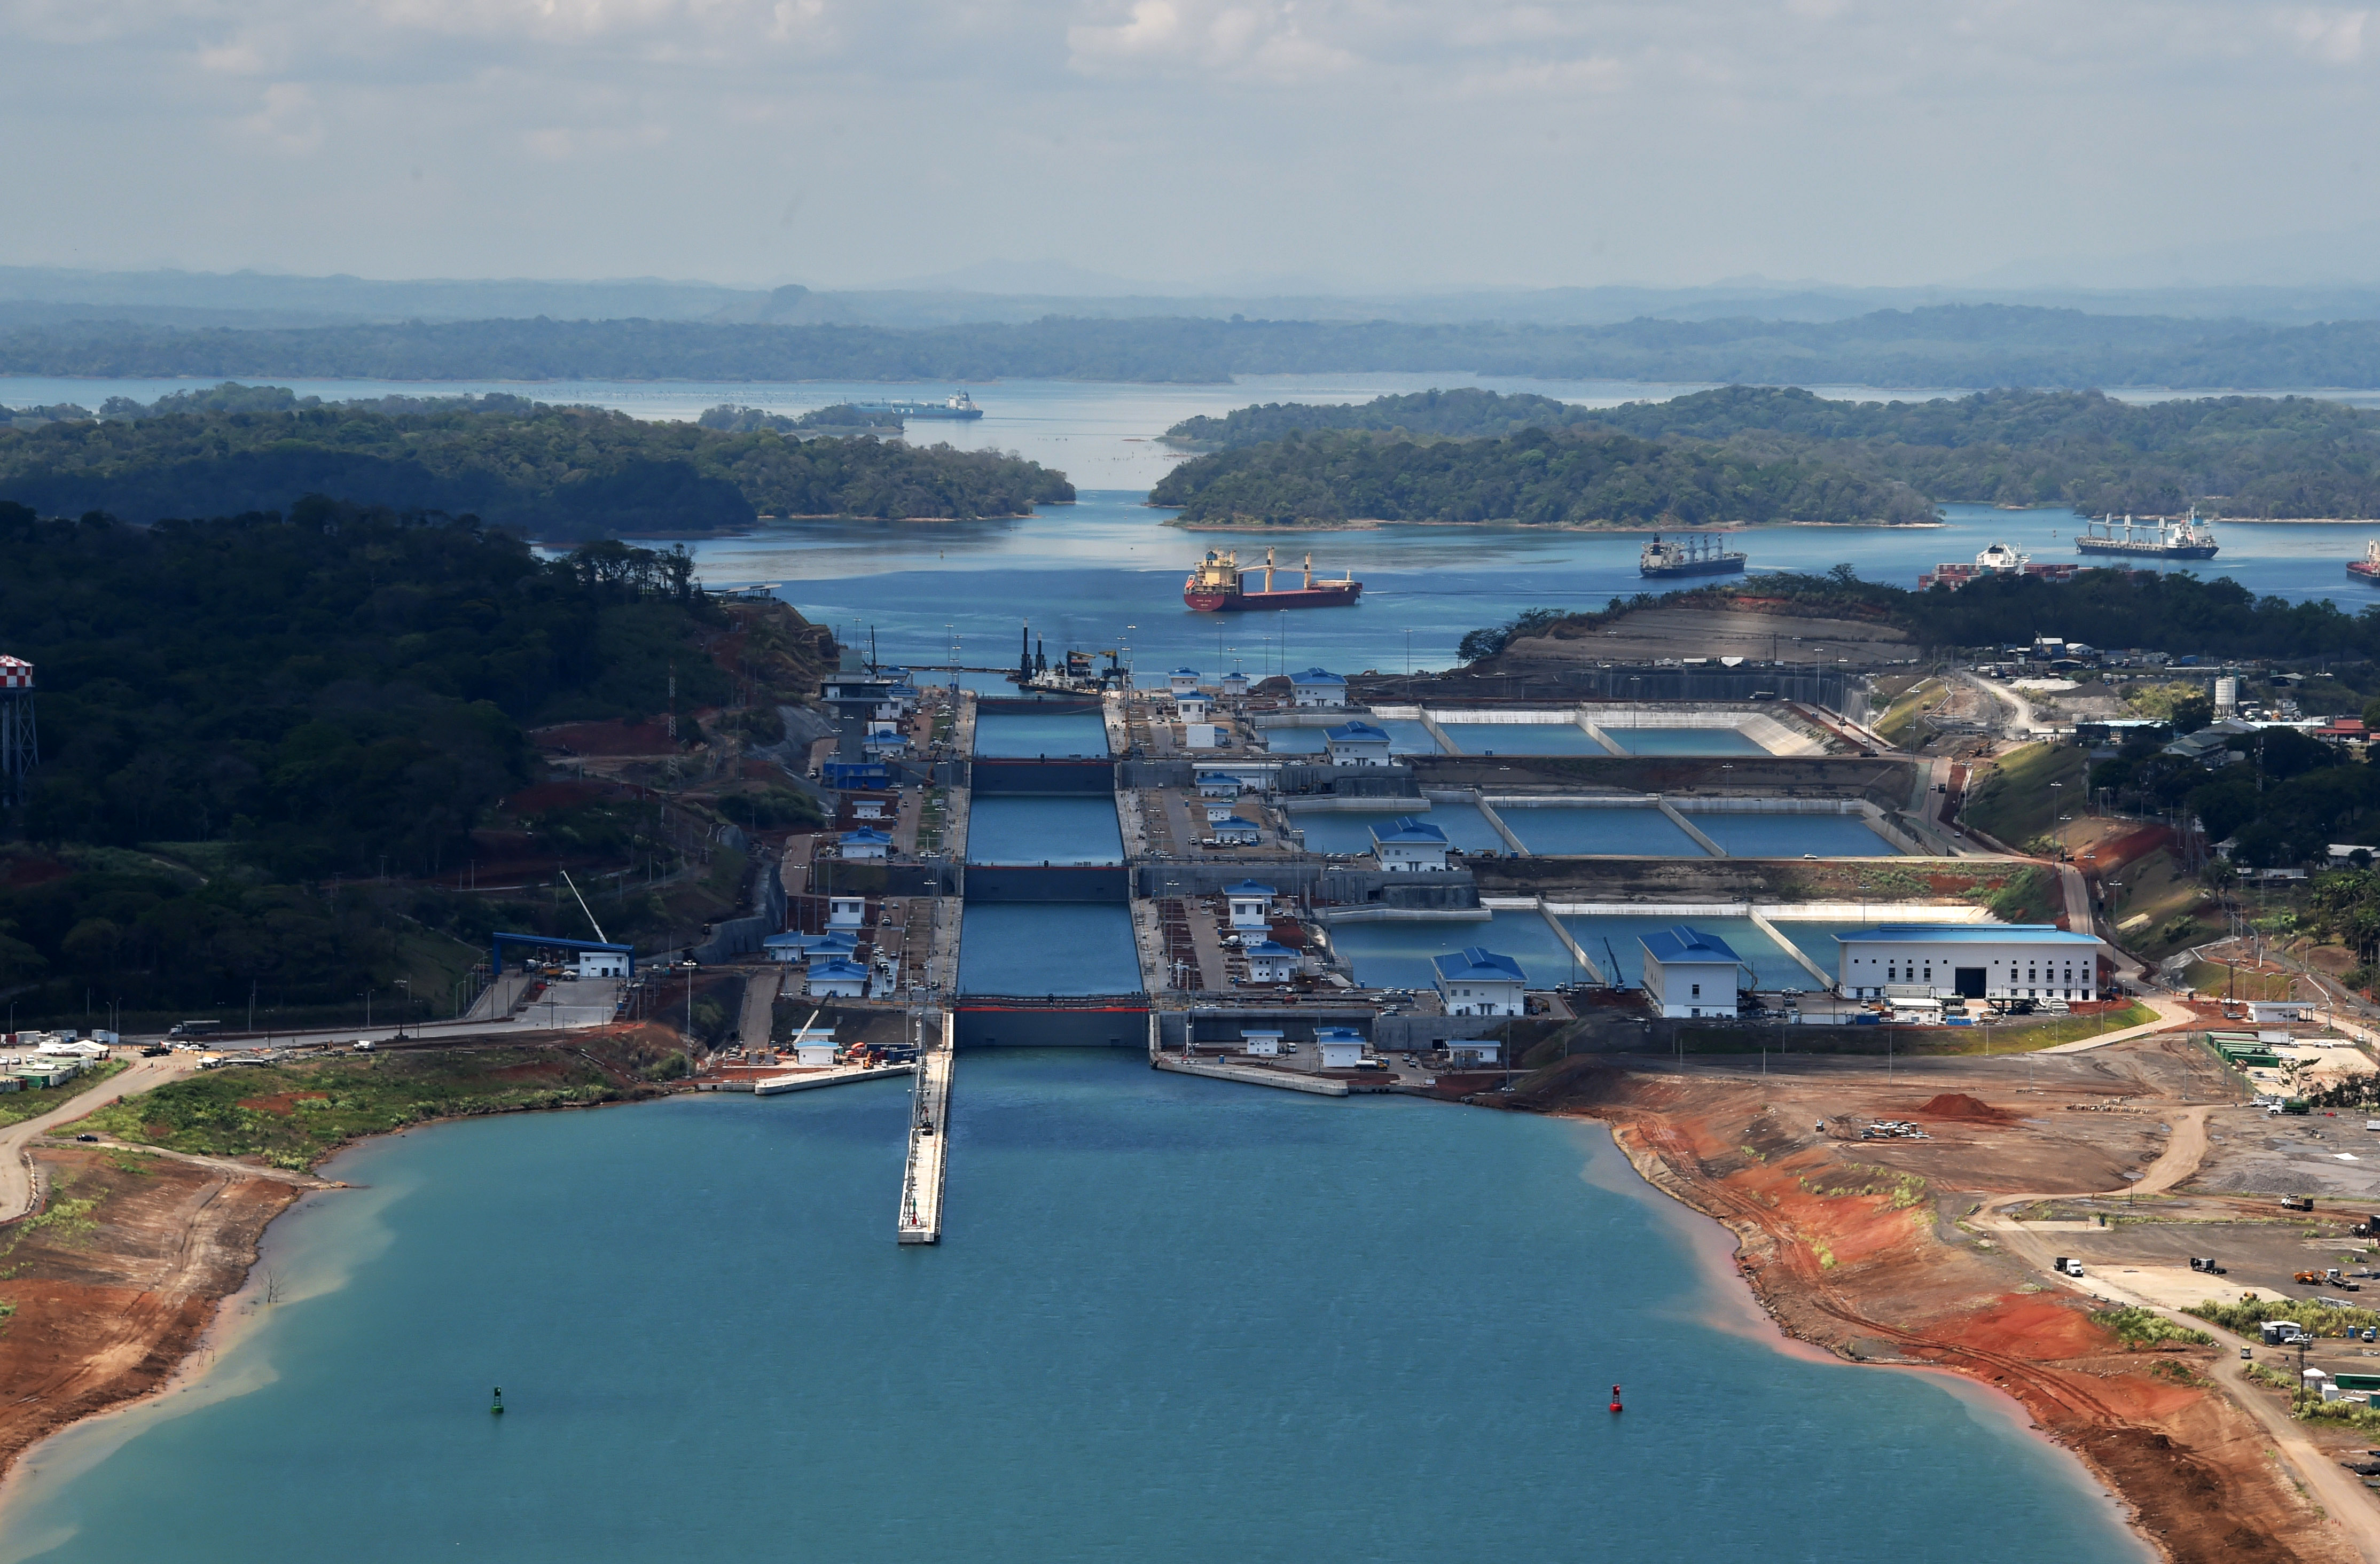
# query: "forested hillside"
[[1955, 345], [1580, 479], [554, 473]]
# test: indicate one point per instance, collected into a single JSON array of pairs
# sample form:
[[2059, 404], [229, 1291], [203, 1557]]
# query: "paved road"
[[16, 1178], [2025, 722], [2340, 1492]]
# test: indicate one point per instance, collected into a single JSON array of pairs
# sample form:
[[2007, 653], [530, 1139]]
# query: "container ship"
[[2368, 567], [1998, 560], [1218, 585], [1698, 553], [2151, 540]]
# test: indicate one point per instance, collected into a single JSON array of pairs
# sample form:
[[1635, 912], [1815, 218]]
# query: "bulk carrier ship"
[[1217, 585], [1698, 553], [2154, 540]]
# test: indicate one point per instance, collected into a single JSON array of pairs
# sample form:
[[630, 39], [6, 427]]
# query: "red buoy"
[[1615, 1398]]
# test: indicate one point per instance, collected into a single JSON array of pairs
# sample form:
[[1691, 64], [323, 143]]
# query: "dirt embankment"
[[1856, 1247], [112, 1283]]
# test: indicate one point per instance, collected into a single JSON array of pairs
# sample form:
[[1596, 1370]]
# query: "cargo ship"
[[2153, 539], [1217, 585], [1699, 553], [2368, 567], [1998, 560], [957, 406]]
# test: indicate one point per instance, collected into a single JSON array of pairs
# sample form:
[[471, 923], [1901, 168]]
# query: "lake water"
[[1172, 1320]]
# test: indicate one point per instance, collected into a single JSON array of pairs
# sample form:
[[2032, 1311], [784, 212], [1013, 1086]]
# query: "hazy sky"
[[1367, 143]]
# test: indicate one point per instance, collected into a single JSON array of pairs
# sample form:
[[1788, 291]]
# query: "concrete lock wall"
[[1037, 706], [1393, 781]]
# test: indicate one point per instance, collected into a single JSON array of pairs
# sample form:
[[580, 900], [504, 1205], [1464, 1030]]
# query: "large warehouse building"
[[1979, 961]]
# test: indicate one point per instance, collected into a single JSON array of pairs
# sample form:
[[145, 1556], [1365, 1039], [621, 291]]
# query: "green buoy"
[[499, 1408]]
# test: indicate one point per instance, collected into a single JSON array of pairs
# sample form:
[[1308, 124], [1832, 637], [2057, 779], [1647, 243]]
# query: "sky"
[[1361, 145]]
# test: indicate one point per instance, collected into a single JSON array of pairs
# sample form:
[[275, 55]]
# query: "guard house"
[[1688, 972], [1265, 1043], [846, 912], [1269, 963], [872, 806], [1235, 685], [1342, 1046], [1473, 1050], [1246, 833], [588, 958], [1251, 905], [1409, 846], [1218, 810], [1182, 681], [1480, 982], [1976, 961], [1318, 686], [1220, 785], [836, 979], [865, 843], [1357, 744], [1192, 706]]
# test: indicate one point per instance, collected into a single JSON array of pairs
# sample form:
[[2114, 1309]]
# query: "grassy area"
[[34, 1101], [2015, 803], [2156, 889], [294, 1115], [2214, 977], [1903, 723], [2141, 1328]]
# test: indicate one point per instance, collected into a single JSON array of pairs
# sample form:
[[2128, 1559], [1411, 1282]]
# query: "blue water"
[[1683, 741], [1559, 829], [1350, 830], [1151, 1333], [1603, 937], [1046, 947], [1522, 738], [1035, 830], [1789, 836], [1397, 955], [1026, 734]]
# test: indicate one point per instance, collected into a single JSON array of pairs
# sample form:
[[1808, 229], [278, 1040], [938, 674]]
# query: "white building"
[[1409, 846], [1251, 905], [1235, 683], [814, 1055], [1342, 1046], [1192, 706], [1357, 744], [602, 963], [1204, 735], [865, 843], [1688, 972], [1182, 681], [1218, 810], [1980, 961], [1480, 982], [1220, 785], [1269, 963], [846, 912], [1318, 686], [1260, 1042], [837, 979], [1470, 1050], [872, 806], [1247, 833]]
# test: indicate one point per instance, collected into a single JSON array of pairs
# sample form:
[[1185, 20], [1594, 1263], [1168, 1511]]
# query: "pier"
[[921, 1176]]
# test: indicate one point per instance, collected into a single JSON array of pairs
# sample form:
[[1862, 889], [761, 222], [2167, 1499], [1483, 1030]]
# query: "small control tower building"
[[20, 743]]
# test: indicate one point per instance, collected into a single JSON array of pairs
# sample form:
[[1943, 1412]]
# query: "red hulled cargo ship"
[[2368, 566], [1218, 585]]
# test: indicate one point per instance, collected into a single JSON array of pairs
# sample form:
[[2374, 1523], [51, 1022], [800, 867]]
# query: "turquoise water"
[[1157, 1328], [1406, 737], [1035, 830], [1350, 830], [1048, 948], [1026, 734], [1603, 938], [1521, 738], [1789, 836], [1397, 955], [1558, 829], [1682, 741]]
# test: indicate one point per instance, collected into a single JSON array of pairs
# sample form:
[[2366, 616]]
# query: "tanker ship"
[[1218, 585], [1697, 553]]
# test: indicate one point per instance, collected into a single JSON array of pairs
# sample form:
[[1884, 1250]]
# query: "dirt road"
[[15, 1176]]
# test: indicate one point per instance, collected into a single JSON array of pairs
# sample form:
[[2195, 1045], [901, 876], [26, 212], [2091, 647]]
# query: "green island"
[[274, 747], [1946, 344], [561, 474], [2238, 457]]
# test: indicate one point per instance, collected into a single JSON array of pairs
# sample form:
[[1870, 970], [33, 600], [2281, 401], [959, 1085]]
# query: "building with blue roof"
[[1409, 846], [1976, 961], [1479, 982], [1357, 744], [837, 979], [1244, 832], [1688, 973], [1318, 686], [1271, 963], [1251, 905], [1182, 681], [865, 843]]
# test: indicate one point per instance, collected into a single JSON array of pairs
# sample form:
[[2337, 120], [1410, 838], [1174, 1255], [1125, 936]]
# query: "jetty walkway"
[[921, 1178]]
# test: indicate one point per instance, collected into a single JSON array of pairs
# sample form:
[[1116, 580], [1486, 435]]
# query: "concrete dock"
[[921, 1177], [1280, 1079], [811, 1080]]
